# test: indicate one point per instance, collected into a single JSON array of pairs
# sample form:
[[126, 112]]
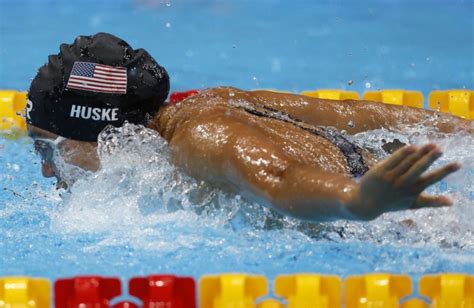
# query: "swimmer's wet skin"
[[290, 169], [282, 150]]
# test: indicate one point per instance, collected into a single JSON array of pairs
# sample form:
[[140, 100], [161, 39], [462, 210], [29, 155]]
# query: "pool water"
[[140, 215]]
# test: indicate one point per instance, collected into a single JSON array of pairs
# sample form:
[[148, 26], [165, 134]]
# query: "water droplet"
[[351, 124], [368, 85], [168, 25], [255, 79], [350, 82], [168, 3]]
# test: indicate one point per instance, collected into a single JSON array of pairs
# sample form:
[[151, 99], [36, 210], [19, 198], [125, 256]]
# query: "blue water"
[[139, 215], [292, 45]]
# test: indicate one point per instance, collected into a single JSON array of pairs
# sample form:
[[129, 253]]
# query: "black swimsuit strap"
[[351, 151]]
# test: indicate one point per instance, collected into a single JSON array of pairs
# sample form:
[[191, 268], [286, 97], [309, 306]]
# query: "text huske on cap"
[[95, 114]]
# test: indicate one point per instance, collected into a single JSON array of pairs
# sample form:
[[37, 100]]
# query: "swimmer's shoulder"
[[204, 104]]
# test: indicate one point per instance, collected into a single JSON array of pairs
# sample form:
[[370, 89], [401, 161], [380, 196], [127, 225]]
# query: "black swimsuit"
[[351, 151]]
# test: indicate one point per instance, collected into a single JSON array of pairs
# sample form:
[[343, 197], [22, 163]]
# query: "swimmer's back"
[[211, 110]]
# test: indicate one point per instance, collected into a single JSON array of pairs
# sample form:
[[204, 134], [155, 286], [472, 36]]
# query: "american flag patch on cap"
[[95, 77]]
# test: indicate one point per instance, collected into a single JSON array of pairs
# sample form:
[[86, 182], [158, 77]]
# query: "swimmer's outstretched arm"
[[224, 150], [394, 184]]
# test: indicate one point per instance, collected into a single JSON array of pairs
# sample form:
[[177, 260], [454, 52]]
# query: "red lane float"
[[154, 291], [177, 97], [86, 291], [164, 291]]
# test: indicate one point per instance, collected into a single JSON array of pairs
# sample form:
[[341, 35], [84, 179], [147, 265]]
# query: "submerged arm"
[[224, 150]]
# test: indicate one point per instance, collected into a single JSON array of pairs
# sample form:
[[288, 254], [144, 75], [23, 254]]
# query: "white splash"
[[139, 198], [138, 193]]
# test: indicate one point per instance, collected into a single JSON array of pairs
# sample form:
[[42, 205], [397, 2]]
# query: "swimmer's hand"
[[397, 183]]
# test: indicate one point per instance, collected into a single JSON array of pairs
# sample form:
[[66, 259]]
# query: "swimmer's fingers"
[[411, 159], [413, 174], [393, 160], [425, 200], [436, 176]]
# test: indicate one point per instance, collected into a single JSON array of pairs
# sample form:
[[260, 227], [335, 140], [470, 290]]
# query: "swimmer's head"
[[97, 81]]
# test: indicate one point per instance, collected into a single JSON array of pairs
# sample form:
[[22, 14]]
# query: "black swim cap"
[[96, 81]]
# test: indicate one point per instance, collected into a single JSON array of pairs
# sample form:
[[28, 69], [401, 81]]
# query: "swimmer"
[[284, 151]]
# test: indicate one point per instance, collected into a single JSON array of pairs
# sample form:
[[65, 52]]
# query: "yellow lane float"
[[448, 290], [396, 97], [457, 102], [332, 94], [25, 292], [12, 106], [270, 303], [231, 290], [309, 290], [376, 290]]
